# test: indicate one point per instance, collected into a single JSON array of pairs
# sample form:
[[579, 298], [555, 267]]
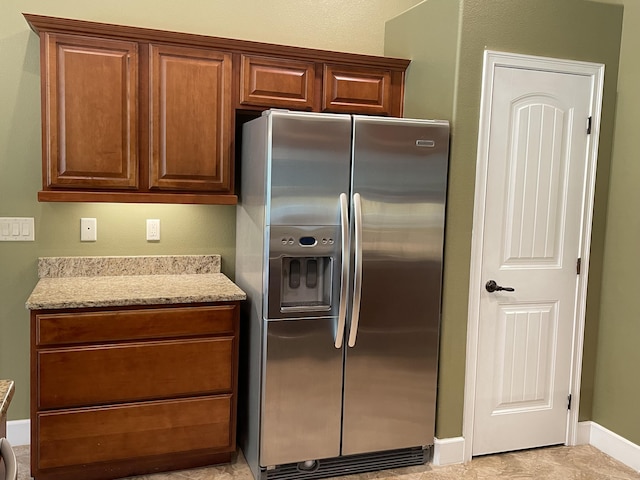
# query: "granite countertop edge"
[[126, 290], [86, 282], [6, 394]]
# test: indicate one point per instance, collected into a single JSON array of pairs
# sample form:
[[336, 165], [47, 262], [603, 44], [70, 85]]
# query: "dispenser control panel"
[[307, 241]]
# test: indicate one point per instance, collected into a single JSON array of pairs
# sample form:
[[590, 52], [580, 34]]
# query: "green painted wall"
[[431, 76], [571, 29], [617, 383], [353, 26]]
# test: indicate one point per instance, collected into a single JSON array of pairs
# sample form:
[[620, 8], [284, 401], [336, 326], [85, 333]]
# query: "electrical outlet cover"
[[153, 229], [88, 230]]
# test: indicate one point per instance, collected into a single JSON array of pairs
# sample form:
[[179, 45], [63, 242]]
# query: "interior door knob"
[[492, 286]]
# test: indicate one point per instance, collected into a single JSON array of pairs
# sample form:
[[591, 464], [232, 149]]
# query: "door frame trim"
[[492, 60]]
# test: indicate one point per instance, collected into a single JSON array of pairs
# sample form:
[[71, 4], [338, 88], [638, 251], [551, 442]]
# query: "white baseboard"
[[448, 451], [19, 432], [583, 433], [615, 446]]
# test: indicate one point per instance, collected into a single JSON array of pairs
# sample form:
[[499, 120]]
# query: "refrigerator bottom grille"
[[333, 467]]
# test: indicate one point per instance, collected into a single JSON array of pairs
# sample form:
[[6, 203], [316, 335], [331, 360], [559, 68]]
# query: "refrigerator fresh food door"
[[302, 392], [399, 177], [309, 167]]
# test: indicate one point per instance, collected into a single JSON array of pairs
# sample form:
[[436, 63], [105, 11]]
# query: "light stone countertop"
[[6, 394], [80, 282]]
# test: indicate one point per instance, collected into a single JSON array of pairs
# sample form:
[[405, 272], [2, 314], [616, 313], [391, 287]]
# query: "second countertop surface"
[[6, 393]]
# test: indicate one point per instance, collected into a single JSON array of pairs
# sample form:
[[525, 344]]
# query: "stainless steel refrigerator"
[[339, 233]]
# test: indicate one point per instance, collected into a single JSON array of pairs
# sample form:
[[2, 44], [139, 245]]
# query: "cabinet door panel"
[[190, 119], [78, 376], [354, 89], [90, 112], [273, 82], [84, 437]]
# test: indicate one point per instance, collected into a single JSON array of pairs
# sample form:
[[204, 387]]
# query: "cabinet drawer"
[[122, 325], [79, 376], [81, 437], [273, 82], [356, 89]]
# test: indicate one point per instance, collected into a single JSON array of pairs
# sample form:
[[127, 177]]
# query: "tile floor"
[[553, 463]]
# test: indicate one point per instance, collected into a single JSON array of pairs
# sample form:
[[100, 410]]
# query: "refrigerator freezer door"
[[302, 392], [310, 158], [399, 171]]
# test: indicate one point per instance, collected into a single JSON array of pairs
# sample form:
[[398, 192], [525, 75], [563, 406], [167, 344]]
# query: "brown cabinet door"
[[276, 82], [190, 119], [89, 112], [356, 89]]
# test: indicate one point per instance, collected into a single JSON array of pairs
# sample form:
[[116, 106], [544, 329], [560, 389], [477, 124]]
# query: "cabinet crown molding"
[[43, 23]]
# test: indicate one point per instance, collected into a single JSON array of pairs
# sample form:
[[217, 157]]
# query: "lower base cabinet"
[[120, 392]]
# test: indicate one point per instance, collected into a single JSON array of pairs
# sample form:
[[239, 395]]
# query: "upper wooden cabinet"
[[139, 115], [90, 112], [349, 89], [190, 119], [341, 88], [277, 82]]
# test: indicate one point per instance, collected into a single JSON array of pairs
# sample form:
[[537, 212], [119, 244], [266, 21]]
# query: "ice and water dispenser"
[[303, 262]]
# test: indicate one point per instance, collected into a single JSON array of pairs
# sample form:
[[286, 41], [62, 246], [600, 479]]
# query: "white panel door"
[[538, 155]]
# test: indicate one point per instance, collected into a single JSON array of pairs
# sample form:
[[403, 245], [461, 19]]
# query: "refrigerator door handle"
[[357, 268], [344, 284]]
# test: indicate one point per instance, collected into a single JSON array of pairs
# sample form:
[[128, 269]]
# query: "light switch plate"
[[17, 229], [88, 230]]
